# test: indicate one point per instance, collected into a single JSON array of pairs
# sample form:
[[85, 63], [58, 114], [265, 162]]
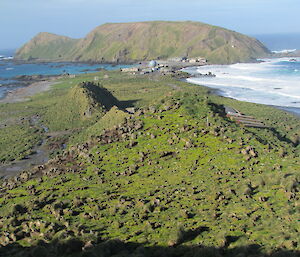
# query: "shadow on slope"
[[84, 104], [76, 248]]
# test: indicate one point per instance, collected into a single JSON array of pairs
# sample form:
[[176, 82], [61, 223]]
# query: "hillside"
[[177, 178], [131, 42], [45, 45], [84, 103]]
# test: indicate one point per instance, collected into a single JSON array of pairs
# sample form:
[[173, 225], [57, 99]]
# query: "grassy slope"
[[47, 45], [61, 114], [184, 183], [127, 42]]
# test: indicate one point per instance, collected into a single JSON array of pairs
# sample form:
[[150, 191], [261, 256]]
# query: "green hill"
[[165, 182], [83, 104], [131, 42]]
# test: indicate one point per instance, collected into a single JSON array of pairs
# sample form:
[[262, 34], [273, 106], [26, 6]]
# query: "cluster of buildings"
[[198, 60], [165, 67]]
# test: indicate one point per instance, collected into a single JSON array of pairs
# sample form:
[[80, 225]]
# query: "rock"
[[253, 153], [244, 152], [4, 240], [152, 136], [87, 245], [132, 144], [188, 144], [18, 209], [263, 199], [165, 154], [152, 109]]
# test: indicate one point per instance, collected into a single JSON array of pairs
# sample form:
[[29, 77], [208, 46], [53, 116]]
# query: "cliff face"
[[129, 42]]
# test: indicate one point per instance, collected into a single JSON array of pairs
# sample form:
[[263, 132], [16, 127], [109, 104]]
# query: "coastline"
[[41, 61], [14, 77], [23, 93], [224, 82], [291, 110]]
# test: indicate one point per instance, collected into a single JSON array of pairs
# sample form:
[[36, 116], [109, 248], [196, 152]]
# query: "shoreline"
[[24, 93], [223, 92], [219, 92], [19, 61]]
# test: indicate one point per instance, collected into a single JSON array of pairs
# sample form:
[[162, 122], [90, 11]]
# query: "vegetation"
[[177, 178], [131, 42], [71, 107]]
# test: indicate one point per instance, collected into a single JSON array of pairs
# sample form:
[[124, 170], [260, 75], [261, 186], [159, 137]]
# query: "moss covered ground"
[[177, 178]]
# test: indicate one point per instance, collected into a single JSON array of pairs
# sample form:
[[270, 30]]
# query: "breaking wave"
[[285, 51], [272, 81]]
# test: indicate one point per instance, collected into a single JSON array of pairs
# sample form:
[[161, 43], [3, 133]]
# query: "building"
[[131, 69], [197, 60]]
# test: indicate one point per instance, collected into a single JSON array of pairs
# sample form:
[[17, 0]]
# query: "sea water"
[[10, 69], [271, 81]]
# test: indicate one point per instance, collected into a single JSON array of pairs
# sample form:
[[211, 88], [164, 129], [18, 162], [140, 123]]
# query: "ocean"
[[9, 70], [280, 42], [271, 82]]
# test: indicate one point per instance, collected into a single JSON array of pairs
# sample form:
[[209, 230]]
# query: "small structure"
[[131, 69], [147, 71], [152, 64], [198, 60], [244, 120], [175, 59], [231, 111]]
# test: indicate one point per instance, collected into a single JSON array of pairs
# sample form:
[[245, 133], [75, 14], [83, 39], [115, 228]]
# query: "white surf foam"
[[285, 51], [271, 82]]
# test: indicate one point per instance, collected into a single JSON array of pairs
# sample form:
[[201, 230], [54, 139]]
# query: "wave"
[[2, 57], [271, 82], [284, 51], [251, 79]]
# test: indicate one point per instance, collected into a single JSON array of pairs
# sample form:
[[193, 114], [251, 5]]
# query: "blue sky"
[[20, 20]]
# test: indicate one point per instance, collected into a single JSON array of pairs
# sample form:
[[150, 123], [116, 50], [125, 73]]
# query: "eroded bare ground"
[[41, 152], [39, 157]]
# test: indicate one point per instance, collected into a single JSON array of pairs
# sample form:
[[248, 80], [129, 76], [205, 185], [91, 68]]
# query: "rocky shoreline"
[[28, 89]]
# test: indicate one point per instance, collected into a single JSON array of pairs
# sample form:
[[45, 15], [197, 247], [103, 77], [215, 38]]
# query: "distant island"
[[141, 41]]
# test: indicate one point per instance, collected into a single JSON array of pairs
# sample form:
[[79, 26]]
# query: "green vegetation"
[[71, 107], [131, 42], [177, 178], [22, 137]]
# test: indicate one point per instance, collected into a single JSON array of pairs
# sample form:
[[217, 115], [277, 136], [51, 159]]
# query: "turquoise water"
[[10, 69]]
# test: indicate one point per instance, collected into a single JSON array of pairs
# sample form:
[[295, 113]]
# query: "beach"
[[24, 93]]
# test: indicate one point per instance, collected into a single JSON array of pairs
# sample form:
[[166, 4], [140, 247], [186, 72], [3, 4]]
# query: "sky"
[[20, 20]]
